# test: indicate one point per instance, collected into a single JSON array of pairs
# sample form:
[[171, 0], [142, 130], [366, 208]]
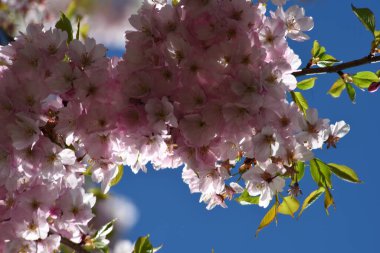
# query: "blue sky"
[[173, 217]]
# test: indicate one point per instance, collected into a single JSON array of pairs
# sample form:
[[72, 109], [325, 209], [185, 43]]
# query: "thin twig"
[[76, 247], [338, 67]]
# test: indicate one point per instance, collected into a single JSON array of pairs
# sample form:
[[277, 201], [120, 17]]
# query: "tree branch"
[[338, 67], [76, 247]]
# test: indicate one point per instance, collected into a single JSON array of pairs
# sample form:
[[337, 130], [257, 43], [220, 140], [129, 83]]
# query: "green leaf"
[[157, 248], [315, 174], [71, 9], [300, 171], [311, 199], [289, 206], [337, 88], [306, 84], [365, 16], [351, 92], [268, 218], [326, 60], [119, 175], [104, 230], [378, 73], [143, 245], [317, 50], [98, 193], [329, 200], [320, 172], [64, 24], [78, 29], [84, 30], [300, 101], [246, 199], [364, 79], [344, 173], [175, 2]]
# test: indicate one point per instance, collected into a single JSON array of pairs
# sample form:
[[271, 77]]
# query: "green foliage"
[[337, 88], [99, 241], [311, 199], [269, 217], [175, 2], [300, 101], [78, 30], [320, 173], [98, 193], [364, 79], [344, 173], [306, 84], [289, 206], [366, 17], [119, 175], [143, 245], [64, 24], [299, 167], [319, 56], [246, 199], [329, 200], [351, 92]]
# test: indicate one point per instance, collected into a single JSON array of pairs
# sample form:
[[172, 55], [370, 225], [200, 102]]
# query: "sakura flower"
[[160, 113], [264, 180], [24, 131], [335, 132], [88, 54], [32, 227], [76, 206], [50, 244], [272, 34], [265, 144], [312, 129], [296, 22], [196, 130]]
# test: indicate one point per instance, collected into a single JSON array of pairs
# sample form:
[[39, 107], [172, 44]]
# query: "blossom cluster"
[[57, 115], [205, 83], [202, 83]]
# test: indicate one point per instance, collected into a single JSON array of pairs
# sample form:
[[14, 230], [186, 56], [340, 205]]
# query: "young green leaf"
[[351, 92], [78, 29], [344, 173], [143, 245], [300, 101], [321, 173], [64, 24], [289, 206], [300, 171], [364, 79], [119, 175], [268, 218], [315, 174], [326, 60], [105, 230], [366, 17], [311, 199], [246, 199], [329, 200], [306, 84], [175, 2], [317, 50], [337, 88]]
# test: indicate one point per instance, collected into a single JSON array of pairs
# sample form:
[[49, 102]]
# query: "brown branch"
[[338, 67], [76, 247]]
